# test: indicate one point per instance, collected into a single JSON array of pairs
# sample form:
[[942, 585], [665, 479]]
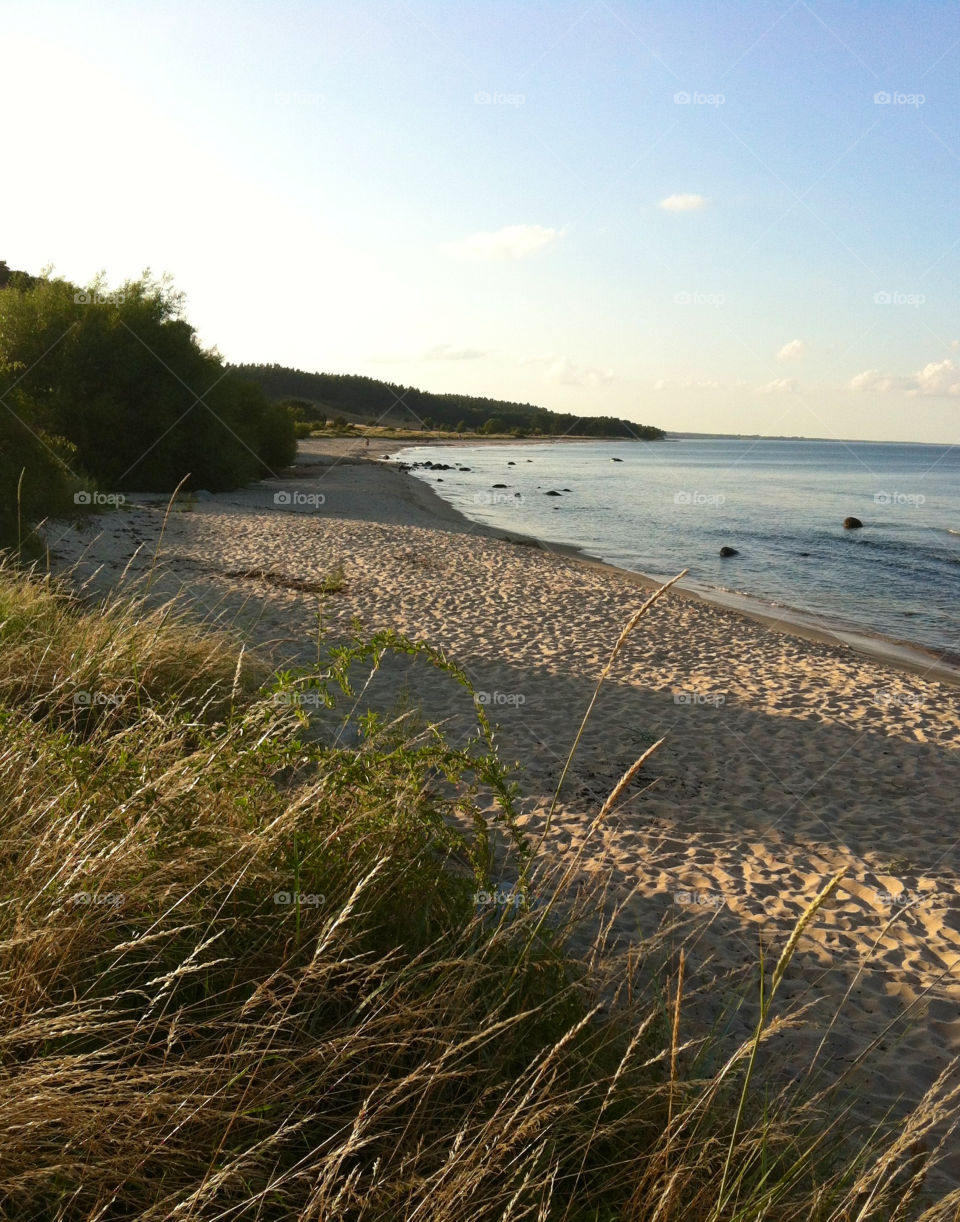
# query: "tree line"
[[332, 393]]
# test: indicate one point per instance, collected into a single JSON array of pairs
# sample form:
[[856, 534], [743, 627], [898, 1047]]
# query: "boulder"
[[616, 460], [852, 523], [551, 493], [729, 551], [498, 485]]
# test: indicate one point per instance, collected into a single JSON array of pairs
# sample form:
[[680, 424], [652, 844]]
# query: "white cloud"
[[439, 352], [568, 373], [873, 379], [794, 351], [511, 242], [562, 370], [938, 378], [683, 203], [687, 384], [780, 386], [446, 352]]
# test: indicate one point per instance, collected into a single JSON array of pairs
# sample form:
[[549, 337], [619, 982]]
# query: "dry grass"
[[243, 975]]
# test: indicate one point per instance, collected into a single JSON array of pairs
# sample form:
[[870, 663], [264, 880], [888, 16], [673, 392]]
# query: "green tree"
[[121, 378], [493, 425], [299, 409]]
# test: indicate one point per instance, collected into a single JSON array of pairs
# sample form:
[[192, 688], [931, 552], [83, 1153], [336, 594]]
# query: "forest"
[[373, 400]]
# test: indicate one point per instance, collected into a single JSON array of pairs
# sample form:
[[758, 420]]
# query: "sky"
[[736, 217]]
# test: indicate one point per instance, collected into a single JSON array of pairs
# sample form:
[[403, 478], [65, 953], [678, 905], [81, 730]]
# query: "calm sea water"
[[672, 505]]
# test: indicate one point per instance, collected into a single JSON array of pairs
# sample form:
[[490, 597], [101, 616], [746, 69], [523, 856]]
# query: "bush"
[[277, 446], [119, 379], [37, 479]]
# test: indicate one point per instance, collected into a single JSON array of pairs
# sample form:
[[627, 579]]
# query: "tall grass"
[[244, 972]]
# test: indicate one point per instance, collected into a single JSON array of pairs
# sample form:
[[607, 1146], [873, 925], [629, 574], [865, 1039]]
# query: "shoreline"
[[783, 761], [902, 655]]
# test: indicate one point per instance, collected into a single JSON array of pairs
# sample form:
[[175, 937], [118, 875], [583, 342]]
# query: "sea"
[[659, 507]]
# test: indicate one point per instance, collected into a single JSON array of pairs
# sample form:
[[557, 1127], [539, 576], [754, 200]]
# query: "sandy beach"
[[787, 757]]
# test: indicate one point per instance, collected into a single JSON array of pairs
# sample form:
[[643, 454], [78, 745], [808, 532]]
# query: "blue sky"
[[735, 217]]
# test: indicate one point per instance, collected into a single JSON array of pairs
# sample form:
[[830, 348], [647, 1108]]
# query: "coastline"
[[900, 654], [786, 758]]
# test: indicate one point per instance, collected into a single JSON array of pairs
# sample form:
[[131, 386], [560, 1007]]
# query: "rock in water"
[[551, 493], [498, 485], [616, 460], [729, 551], [852, 523]]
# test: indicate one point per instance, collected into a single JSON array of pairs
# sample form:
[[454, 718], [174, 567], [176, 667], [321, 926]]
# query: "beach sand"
[[786, 758]]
